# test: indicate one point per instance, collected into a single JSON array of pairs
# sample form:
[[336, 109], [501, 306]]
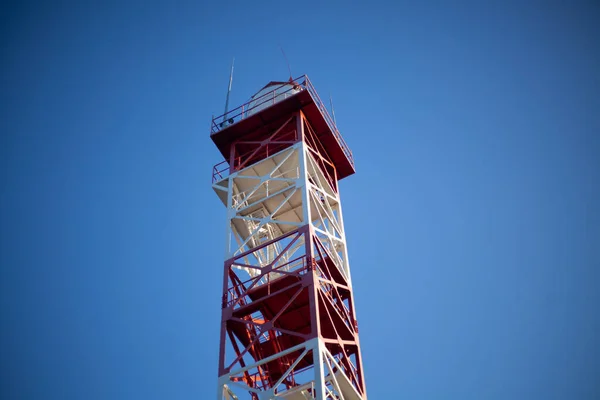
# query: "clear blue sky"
[[473, 221]]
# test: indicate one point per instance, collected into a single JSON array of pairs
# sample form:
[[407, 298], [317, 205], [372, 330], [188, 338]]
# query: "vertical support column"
[[319, 393], [229, 215], [304, 183], [222, 392], [340, 220], [300, 126], [305, 187]]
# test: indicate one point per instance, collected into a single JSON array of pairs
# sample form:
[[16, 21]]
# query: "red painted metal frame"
[[256, 150], [248, 151], [301, 83], [330, 306], [282, 138]]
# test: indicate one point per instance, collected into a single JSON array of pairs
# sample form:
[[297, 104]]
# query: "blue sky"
[[473, 221]]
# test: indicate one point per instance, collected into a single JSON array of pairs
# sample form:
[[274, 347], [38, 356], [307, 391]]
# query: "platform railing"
[[311, 89], [220, 171], [275, 95], [266, 99]]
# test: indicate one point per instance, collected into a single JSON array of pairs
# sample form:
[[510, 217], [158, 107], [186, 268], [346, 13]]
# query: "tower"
[[288, 326]]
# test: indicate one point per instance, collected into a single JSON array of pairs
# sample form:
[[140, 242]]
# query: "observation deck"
[[257, 118]]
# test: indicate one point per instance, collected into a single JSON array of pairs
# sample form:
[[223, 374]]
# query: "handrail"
[[301, 83], [219, 171], [329, 120], [241, 112]]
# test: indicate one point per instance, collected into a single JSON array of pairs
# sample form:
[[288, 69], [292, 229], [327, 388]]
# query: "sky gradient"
[[473, 221]]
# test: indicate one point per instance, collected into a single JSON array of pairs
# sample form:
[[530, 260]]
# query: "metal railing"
[[329, 120], [262, 101], [220, 171], [269, 98]]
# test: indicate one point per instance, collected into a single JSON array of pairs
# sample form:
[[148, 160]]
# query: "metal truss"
[[329, 382], [288, 326]]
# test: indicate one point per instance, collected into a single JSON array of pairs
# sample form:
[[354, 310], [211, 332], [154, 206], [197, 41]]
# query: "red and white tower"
[[288, 326]]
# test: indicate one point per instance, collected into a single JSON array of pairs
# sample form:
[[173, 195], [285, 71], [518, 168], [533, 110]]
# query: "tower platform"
[[275, 105]]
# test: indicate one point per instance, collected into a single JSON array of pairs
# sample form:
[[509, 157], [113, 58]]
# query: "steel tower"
[[288, 326]]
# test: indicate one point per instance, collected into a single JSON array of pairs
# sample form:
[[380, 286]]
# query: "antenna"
[[287, 62], [228, 92], [331, 106]]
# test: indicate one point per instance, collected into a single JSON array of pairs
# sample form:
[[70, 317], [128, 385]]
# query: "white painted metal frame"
[[301, 190], [329, 382]]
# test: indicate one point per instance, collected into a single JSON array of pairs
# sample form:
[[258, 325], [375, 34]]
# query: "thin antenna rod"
[[228, 92], [287, 62], [331, 106]]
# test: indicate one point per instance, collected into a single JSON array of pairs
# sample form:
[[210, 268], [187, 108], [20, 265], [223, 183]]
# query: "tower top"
[[272, 105]]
